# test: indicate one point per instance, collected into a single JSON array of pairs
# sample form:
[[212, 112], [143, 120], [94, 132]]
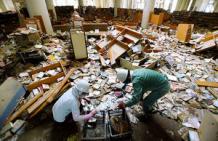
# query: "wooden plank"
[[102, 60], [207, 84], [23, 107], [42, 26], [40, 101], [49, 80], [213, 92], [116, 50], [49, 67], [45, 104], [127, 30]]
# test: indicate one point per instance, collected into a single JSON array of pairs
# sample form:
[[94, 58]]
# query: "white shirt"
[[66, 104]]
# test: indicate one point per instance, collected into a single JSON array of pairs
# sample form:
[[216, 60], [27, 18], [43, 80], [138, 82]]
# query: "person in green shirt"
[[143, 80]]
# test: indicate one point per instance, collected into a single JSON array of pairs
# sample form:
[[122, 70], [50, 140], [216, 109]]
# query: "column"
[[2, 6], [38, 7], [178, 5], [116, 6], [198, 5], [216, 7], [148, 8], [81, 3], [182, 5], [50, 6]]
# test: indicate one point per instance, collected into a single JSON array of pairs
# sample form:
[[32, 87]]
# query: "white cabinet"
[[79, 44]]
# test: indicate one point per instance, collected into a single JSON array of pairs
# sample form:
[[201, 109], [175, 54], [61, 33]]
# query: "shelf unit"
[[117, 42]]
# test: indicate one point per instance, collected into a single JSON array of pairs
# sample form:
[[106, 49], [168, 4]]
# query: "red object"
[[121, 105]]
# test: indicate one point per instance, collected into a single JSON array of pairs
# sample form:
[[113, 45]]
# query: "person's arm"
[[76, 114], [137, 93]]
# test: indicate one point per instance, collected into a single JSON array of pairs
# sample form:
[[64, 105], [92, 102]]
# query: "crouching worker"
[[143, 80], [66, 110]]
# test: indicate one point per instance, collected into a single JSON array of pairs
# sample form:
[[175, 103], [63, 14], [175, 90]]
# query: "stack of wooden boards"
[[34, 105]]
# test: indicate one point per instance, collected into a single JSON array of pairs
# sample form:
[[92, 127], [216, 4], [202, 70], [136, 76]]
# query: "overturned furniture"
[[41, 99], [117, 43], [11, 91]]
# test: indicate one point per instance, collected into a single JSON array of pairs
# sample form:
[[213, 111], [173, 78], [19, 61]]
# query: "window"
[[66, 3], [210, 6], [89, 2], [167, 4], [173, 8], [9, 5], [159, 4], [138, 4], [110, 3]]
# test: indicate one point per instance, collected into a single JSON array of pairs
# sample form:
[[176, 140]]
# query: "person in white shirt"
[[67, 107]]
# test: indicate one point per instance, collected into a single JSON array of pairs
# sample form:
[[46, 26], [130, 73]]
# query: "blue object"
[[11, 91]]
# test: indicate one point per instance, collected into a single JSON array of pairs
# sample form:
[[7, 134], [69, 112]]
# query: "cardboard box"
[[184, 32], [208, 130]]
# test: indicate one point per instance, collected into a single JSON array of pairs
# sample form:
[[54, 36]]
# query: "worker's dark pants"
[[155, 94], [66, 128]]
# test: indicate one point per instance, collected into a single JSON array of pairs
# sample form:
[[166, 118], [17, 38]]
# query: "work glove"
[[121, 105]]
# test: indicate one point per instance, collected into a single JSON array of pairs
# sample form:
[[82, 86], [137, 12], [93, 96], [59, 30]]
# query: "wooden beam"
[[48, 80], [213, 92], [23, 107], [49, 67], [40, 101], [207, 84]]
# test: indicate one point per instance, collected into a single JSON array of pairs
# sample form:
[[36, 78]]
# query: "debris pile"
[[193, 79]]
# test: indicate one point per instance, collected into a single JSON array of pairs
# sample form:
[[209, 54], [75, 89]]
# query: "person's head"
[[123, 75], [83, 87]]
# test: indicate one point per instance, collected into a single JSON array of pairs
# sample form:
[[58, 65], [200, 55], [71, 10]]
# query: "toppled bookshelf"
[[117, 43], [47, 80]]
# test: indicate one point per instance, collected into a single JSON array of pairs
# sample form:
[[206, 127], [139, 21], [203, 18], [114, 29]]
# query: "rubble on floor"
[[159, 50]]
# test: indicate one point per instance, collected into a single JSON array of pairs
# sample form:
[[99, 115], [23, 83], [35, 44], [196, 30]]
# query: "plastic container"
[[97, 132], [123, 136]]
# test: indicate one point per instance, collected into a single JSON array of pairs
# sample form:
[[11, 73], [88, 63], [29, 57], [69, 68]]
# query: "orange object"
[[184, 32], [157, 19]]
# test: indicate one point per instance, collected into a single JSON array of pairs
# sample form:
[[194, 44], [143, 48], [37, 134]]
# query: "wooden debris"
[[48, 80], [205, 46], [213, 92], [49, 96], [23, 108], [184, 31], [207, 84]]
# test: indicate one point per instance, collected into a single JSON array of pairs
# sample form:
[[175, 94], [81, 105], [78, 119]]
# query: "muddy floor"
[[157, 128]]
